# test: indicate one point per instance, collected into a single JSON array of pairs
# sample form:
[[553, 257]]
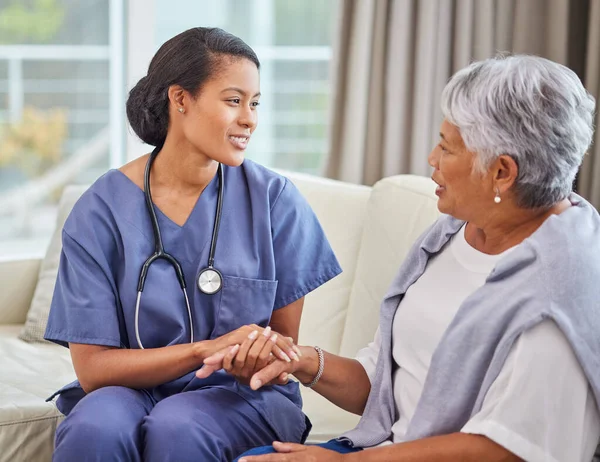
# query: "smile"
[[239, 142]]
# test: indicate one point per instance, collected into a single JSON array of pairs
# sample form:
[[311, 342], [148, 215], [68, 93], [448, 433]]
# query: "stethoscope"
[[210, 280]]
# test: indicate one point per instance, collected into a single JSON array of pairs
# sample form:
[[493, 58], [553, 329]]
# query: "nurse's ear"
[[179, 100]]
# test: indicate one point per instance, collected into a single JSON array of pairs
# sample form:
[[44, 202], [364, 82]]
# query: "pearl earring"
[[497, 199], [180, 110]]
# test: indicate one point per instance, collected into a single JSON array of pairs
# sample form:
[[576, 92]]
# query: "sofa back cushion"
[[340, 208], [37, 316], [400, 208]]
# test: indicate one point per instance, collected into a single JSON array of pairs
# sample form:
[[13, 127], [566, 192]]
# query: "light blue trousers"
[[121, 424]]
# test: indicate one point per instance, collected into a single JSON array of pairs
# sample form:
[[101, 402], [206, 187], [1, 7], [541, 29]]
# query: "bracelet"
[[319, 371]]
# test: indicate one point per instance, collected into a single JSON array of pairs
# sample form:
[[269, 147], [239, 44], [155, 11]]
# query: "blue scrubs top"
[[271, 251]]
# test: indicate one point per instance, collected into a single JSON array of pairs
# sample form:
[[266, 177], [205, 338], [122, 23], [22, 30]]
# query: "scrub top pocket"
[[244, 301]]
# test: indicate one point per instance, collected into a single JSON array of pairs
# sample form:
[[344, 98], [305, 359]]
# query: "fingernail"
[[293, 355], [285, 357], [235, 348], [267, 331], [297, 350], [274, 338], [257, 384], [253, 335]]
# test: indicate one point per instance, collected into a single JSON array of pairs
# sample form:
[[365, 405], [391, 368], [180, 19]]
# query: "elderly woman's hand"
[[290, 452]]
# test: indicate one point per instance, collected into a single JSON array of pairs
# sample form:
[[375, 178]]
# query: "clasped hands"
[[260, 357], [254, 355]]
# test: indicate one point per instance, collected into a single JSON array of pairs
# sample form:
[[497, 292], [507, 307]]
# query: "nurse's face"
[[219, 122]]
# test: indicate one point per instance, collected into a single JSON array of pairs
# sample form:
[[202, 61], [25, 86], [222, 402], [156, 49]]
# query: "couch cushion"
[[400, 209], [37, 316], [19, 279], [340, 208], [29, 373]]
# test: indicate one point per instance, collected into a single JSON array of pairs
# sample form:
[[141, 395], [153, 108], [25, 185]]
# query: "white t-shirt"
[[540, 407]]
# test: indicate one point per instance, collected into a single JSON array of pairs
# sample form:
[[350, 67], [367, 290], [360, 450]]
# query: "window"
[[66, 66], [61, 92], [292, 39]]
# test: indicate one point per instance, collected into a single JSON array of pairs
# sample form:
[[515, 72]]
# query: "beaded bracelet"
[[319, 371]]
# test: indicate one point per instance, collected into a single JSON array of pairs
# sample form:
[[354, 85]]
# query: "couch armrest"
[[18, 279]]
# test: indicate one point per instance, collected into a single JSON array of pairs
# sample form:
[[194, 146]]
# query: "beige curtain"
[[393, 58], [589, 174]]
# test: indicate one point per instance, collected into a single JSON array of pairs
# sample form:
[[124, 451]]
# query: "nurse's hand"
[[283, 347], [242, 361], [291, 452], [255, 352]]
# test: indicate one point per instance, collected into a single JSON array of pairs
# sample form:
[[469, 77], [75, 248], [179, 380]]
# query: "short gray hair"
[[533, 109]]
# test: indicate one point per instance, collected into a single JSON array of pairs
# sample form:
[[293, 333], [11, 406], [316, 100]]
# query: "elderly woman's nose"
[[432, 159]]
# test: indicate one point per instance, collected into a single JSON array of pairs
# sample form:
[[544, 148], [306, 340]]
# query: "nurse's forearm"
[[344, 381], [99, 366], [457, 447]]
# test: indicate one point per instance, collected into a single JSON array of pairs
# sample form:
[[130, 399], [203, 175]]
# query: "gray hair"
[[533, 109]]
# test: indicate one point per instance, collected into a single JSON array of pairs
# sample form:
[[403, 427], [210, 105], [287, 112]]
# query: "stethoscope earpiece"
[[210, 280]]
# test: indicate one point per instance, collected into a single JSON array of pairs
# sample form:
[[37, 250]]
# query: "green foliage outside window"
[[33, 21], [34, 144]]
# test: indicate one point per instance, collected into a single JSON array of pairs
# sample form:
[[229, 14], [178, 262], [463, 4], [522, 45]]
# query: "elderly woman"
[[488, 341]]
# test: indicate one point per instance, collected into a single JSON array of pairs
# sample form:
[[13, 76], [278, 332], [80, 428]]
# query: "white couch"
[[370, 229]]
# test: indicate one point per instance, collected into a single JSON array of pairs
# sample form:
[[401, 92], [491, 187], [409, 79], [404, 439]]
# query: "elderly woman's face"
[[459, 186]]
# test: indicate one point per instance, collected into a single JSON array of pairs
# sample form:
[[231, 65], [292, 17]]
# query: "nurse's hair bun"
[[188, 60], [148, 114]]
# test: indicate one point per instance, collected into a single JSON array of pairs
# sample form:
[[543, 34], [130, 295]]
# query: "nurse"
[[137, 396]]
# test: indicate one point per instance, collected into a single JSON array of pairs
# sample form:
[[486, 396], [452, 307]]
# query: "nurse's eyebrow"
[[240, 91], [442, 136]]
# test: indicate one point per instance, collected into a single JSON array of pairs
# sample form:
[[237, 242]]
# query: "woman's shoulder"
[[571, 238], [561, 259], [107, 189], [262, 180], [99, 204], [134, 171], [260, 173]]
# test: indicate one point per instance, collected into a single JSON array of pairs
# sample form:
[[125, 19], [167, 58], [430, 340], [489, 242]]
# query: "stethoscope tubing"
[[159, 251], [137, 318]]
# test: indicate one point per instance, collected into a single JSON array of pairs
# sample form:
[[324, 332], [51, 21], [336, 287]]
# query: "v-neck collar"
[[207, 194]]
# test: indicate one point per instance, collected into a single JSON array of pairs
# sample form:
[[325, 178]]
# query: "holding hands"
[[250, 349]]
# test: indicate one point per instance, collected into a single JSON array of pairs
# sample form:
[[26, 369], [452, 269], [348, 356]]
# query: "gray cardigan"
[[554, 273]]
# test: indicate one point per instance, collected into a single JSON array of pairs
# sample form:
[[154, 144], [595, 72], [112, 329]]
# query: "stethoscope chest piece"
[[210, 281]]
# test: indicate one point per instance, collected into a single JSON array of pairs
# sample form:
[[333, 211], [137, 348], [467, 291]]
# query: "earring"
[[180, 110], [497, 199]]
